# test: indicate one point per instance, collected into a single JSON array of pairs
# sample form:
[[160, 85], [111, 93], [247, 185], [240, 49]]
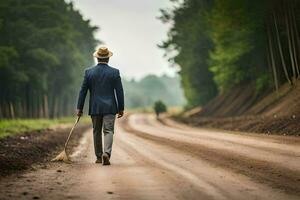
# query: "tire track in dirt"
[[278, 146], [228, 184], [172, 180], [261, 171]]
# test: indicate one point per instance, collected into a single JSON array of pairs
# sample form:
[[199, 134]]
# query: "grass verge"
[[18, 126]]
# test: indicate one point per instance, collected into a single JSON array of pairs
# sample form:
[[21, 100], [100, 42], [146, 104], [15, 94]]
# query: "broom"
[[63, 156]]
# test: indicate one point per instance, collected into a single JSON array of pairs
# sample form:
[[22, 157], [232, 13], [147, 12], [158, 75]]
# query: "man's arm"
[[120, 95], [82, 94]]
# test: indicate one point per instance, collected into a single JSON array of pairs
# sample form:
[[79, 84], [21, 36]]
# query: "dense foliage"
[[44, 46], [144, 92], [219, 44], [159, 107], [189, 38]]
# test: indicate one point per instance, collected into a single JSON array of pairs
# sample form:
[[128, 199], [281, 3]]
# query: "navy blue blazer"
[[106, 90]]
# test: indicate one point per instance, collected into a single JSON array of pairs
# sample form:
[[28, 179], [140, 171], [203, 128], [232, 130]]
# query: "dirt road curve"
[[153, 161]]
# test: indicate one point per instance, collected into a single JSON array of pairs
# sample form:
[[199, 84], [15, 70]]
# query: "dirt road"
[[152, 160]]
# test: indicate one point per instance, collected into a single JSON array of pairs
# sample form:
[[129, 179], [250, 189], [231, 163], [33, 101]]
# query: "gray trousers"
[[107, 123]]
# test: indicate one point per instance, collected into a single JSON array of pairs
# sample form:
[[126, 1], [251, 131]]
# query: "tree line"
[[151, 88], [44, 48], [219, 44]]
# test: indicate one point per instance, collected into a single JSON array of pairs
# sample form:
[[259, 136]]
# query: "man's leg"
[[97, 133], [108, 131]]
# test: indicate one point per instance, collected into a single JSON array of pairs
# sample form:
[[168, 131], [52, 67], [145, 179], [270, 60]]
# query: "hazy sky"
[[131, 31]]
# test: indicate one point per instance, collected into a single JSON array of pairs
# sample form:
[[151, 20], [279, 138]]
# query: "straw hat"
[[102, 52]]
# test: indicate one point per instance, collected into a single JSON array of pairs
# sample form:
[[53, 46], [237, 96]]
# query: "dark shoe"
[[105, 158], [99, 160]]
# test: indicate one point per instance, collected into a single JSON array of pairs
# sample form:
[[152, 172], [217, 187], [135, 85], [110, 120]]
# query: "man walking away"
[[106, 100]]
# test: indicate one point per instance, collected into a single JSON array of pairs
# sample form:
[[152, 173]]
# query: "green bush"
[[159, 107]]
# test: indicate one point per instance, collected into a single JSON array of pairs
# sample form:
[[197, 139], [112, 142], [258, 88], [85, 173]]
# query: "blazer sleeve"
[[119, 92], [83, 92]]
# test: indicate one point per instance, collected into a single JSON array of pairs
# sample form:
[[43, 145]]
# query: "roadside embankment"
[[241, 109], [256, 124]]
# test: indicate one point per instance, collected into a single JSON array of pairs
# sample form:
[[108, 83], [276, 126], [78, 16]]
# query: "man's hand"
[[120, 114], [79, 113]]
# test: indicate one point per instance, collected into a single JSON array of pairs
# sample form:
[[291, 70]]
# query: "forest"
[[217, 44], [44, 48], [220, 44], [145, 92]]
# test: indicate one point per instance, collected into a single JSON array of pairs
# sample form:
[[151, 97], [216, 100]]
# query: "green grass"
[[17, 126]]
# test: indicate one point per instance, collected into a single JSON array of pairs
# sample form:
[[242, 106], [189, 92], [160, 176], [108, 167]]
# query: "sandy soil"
[[169, 161]]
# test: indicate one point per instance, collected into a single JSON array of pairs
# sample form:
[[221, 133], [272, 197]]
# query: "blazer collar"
[[102, 63]]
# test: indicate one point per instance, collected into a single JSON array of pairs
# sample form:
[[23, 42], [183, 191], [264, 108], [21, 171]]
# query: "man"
[[106, 100]]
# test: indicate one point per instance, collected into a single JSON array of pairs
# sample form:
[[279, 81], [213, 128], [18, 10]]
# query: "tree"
[[220, 44], [188, 46], [159, 107], [44, 48]]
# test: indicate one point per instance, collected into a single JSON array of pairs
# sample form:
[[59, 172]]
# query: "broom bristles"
[[62, 157]]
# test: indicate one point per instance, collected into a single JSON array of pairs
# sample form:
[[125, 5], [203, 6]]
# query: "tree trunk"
[[11, 110], [1, 110], [281, 51], [46, 106], [271, 59], [289, 38], [20, 108], [295, 38], [24, 108], [55, 107], [27, 103], [4, 109]]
